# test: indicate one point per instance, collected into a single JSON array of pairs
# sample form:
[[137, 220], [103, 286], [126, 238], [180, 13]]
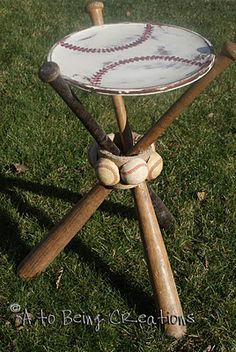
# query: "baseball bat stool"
[[119, 60]]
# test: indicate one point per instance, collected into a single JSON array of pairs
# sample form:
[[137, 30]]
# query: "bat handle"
[[94, 10], [49, 72]]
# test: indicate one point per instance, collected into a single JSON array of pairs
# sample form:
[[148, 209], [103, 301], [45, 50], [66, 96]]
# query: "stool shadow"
[[10, 241], [7, 183], [142, 302], [17, 249]]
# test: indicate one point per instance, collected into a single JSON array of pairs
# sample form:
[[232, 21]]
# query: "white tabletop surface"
[[132, 58]]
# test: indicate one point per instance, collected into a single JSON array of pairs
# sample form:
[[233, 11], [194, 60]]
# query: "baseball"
[[107, 172], [155, 165], [134, 171], [153, 147]]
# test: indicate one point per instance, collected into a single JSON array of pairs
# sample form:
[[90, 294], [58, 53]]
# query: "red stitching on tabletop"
[[146, 35], [97, 76]]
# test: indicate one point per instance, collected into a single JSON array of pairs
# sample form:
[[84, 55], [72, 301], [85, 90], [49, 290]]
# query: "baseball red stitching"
[[157, 163], [135, 168], [146, 35], [104, 165], [97, 77]]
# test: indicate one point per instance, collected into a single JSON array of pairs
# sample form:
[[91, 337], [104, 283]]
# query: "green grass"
[[103, 268]]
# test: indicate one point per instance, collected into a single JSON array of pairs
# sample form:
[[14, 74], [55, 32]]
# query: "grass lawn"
[[102, 270]]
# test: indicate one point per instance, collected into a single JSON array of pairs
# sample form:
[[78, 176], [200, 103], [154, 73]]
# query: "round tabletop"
[[132, 58]]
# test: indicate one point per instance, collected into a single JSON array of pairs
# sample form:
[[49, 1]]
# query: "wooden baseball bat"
[[49, 72], [223, 60], [164, 288], [94, 10], [61, 234], [163, 214], [161, 276]]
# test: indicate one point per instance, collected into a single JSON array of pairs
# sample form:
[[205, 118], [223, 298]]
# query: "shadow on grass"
[[7, 183], [133, 295], [14, 246], [10, 242], [10, 239]]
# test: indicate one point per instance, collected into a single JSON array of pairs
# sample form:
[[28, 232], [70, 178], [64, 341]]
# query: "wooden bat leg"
[[223, 60], [161, 276], [49, 72], [163, 214], [56, 240], [94, 10]]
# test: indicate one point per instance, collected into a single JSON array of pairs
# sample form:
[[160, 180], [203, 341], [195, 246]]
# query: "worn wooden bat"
[[223, 60], [164, 288]]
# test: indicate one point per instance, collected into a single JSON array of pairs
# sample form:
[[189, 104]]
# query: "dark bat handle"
[[49, 72], [163, 214]]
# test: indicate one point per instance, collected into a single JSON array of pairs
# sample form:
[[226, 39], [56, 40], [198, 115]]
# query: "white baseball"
[[153, 147], [134, 171], [155, 165], [107, 172]]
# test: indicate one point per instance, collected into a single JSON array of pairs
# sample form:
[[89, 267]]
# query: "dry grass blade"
[[60, 272], [201, 196], [19, 168]]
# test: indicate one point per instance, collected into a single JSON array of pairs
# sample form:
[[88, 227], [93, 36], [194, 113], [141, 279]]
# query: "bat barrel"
[[161, 276], [56, 240]]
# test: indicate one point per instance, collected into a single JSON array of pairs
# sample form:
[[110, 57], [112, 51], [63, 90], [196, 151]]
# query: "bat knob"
[[49, 71], [94, 10], [229, 49], [94, 5]]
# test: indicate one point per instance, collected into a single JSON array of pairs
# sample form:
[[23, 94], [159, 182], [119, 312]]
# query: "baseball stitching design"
[[98, 76], [146, 35], [135, 168]]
